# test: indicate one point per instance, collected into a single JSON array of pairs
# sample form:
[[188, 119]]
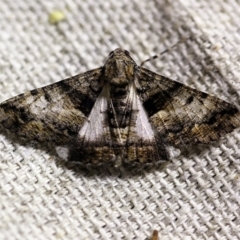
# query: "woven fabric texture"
[[196, 196]]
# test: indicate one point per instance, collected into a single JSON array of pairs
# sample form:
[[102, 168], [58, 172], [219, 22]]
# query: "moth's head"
[[119, 67], [120, 54]]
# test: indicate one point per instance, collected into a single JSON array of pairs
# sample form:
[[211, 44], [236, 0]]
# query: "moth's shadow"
[[130, 171], [108, 170], [104, 170]]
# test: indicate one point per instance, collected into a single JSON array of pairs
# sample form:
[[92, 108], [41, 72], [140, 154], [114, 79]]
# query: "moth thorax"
[[118, 88]]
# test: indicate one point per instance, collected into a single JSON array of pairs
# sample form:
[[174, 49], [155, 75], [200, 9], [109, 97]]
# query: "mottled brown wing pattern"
[[119, 113], [54, 113], [183, 115]]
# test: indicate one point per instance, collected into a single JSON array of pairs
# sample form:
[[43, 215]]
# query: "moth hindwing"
[[118, 113]]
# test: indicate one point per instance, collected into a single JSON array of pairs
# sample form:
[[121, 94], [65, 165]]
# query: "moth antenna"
[[165, 51]]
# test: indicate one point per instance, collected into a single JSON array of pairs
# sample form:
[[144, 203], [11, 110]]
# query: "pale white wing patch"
[[143, 127], [94, 126]]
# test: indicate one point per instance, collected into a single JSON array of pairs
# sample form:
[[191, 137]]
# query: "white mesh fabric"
[[195, 197]]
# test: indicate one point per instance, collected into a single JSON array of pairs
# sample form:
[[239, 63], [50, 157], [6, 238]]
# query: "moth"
[[120, 113]]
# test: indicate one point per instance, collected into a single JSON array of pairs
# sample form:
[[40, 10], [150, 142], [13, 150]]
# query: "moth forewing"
[[119, 113]]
